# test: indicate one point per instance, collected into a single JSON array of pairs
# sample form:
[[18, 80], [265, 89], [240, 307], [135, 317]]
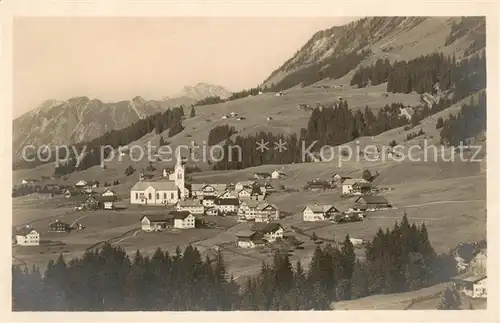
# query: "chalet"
[[183, 219], [472, 286], [265, 212], [201, 190], [81, 184], [267, 189], [246, 210], [227, 205], [261, 175], [244, 194], [192, 206], [356, 242], [277, 174], [257, 194], [244, 184], [154, 193], [249, 239], [155, 222], [208, 201], [317, 212], [108, 192], [27, 236], [347, 185], [58, 226], [374, 202], [270, 231], [91, 202], [318, 185], [107, 202]]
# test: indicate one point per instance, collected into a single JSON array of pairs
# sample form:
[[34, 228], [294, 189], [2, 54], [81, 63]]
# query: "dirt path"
[[445, 202]]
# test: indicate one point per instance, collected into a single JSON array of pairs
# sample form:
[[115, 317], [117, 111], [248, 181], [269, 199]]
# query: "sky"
[[115, 59]]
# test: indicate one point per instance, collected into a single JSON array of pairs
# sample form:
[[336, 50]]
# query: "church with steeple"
[[163, 192]]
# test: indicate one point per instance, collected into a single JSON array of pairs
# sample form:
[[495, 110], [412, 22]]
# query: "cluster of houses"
[[259, 235], [245, 199]]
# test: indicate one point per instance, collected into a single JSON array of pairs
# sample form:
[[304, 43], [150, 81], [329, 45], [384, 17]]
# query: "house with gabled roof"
[[27, 236], [373, 202], [249, 239], [270, 231], [347, 185], [229, 205], [108, 192], [183, 219], [257, 194], [244, 194], [246, 210], [81, 184], [277, 174], [319, 212], [227, 194], [107, 202], [266, 212], [201, 190], [261, 175], [155, 222]]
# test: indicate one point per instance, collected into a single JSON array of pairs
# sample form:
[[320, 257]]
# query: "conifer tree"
[[450, 300]]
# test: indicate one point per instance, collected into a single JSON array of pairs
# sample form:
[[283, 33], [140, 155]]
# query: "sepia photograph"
[[249, 163]]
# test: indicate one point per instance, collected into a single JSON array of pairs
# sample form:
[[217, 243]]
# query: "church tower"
[[179, 177]]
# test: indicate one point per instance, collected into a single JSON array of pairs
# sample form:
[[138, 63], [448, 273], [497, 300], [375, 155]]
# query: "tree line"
[[423, 73], [397, 260], [468, 122], [220, 133]]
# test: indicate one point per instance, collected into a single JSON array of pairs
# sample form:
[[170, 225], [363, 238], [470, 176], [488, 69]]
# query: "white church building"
[[161, 192]]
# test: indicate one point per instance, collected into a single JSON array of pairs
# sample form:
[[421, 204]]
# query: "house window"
[[157, 196], [149, 196], [172, 196], [136, 196], [165, 196]]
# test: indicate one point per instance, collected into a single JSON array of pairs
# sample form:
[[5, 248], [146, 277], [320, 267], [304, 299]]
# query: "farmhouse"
[[201, 190], [265, 212], [317, 212], [270, 231], [183, 219], [155, 222], [246, 210], [374, 202], [347, 185], [227, 205], [192, 206], [244, 194], [71, 192], [261, 175], [277, 174], [257, 194], [358, 208], [58, 226], [472, 286], [107, 202], [27, 236], [81, 184], [249, 239], [154, 193], [478, 265], [108, 192]]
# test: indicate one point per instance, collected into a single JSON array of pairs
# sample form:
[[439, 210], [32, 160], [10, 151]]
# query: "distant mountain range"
[[82, 119]]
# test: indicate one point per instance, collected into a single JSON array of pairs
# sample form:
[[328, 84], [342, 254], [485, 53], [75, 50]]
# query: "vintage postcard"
[[270, 164]]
